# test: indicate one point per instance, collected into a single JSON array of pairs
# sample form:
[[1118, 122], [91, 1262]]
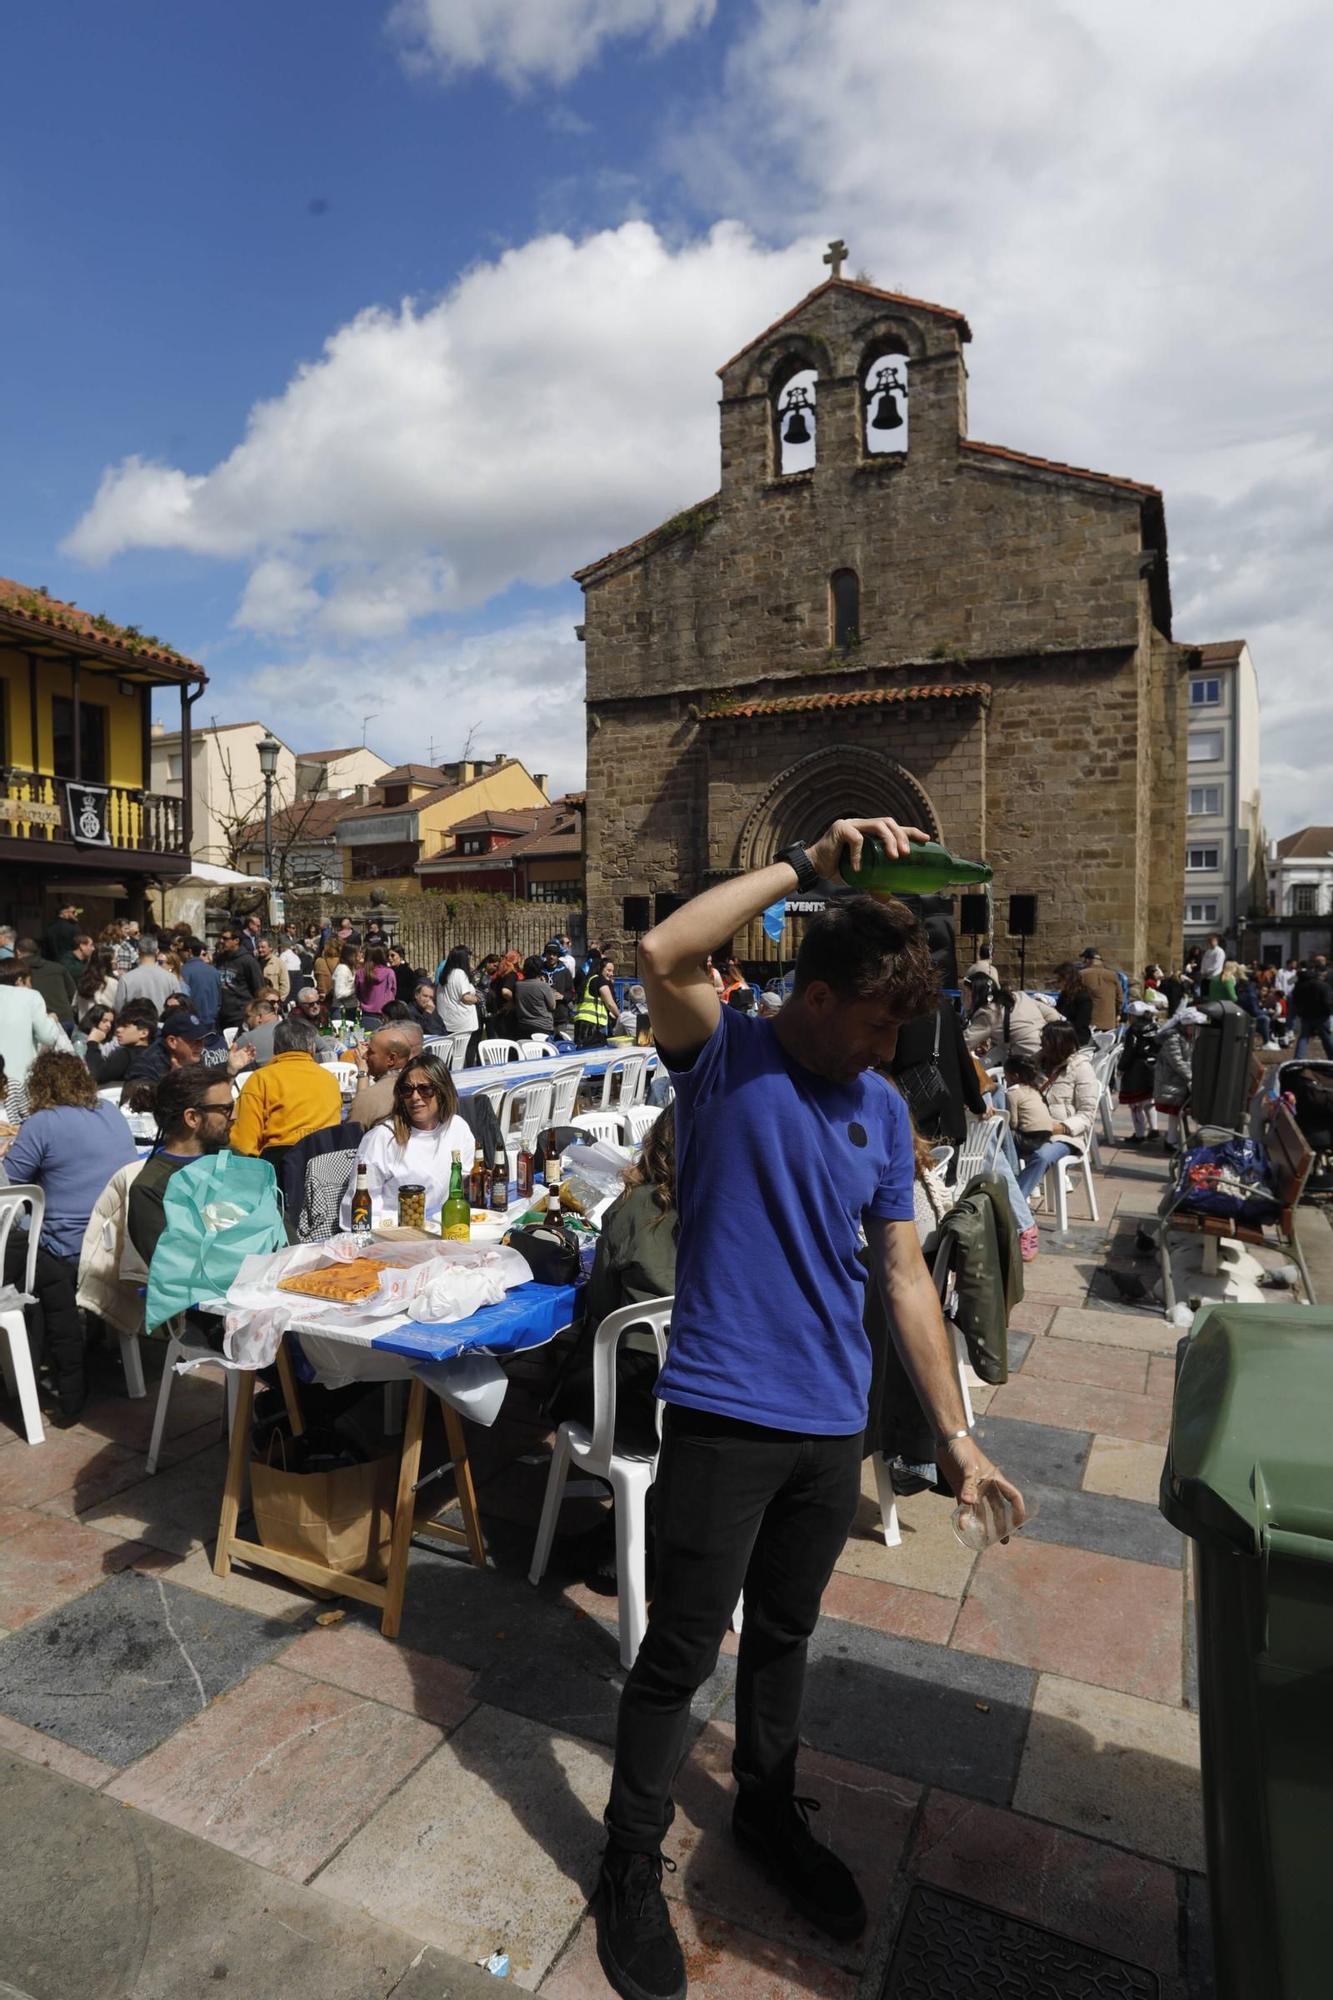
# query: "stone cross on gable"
[[836, 256]]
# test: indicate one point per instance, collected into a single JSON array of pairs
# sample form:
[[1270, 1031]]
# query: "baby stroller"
[[1307, 1087]]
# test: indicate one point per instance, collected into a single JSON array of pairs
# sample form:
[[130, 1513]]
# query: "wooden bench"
[[1290, 1159]]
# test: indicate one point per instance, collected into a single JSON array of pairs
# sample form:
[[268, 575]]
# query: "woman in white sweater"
[[415, 1145], [1072, 1094]]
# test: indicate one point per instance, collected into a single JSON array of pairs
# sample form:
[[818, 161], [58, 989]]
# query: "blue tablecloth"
[[528, 1316]]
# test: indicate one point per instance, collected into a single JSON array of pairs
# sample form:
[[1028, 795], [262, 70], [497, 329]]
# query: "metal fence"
[[485, 926]]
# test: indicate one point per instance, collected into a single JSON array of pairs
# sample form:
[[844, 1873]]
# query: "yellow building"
[[413, 811], [78, 821]]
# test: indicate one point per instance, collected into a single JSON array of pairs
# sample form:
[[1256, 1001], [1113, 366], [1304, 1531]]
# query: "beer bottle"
[[361, 1203], [479, 1181], [553, 1215], [539, 1163], [500, 1182], [525, 1173], [927, 870], [455, 1216]]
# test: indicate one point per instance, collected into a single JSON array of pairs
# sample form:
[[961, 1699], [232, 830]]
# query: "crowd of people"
[[228, 1044]]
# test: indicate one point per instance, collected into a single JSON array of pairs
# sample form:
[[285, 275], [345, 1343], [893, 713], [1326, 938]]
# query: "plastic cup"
[[990, 1521]]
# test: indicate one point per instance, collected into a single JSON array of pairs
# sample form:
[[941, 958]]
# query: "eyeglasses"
[[417, 1089], [227, 1110]]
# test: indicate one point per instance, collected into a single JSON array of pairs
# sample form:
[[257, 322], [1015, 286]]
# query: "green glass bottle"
[[926, 871], [456, 1215]]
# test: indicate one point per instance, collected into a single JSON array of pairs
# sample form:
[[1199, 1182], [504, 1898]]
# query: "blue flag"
[[775, 920]]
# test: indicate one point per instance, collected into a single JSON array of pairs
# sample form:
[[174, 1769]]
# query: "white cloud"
[[552, 406], [518, 691], [1130, 209], [522, 40], [1127, 202]]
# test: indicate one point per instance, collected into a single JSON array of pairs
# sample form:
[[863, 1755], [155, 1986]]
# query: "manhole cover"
[[947, 1946]]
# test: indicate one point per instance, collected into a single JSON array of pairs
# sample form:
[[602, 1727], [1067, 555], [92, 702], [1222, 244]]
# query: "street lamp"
[[268, 748]]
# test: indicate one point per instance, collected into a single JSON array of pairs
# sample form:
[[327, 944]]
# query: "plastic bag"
[[220, 1210], [1230, 1179]]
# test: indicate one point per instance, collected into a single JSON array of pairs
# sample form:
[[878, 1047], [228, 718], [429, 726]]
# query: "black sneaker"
[[636, 1944], [811, 1876]]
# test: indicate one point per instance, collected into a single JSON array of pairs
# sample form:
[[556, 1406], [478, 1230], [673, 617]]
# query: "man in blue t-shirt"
[[788, 1146]]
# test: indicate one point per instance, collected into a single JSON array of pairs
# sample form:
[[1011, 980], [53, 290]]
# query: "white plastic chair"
[[344, 1072], [524, 1110], [629, 1478], [624, 1082], [639, 1122], [888, 1499], [497, 1052], [980, 1149], [531, 1051], [185, 1350], [564, 1079], [15, 1353], [602, 1125], [1077, 1162], [460, 1042]]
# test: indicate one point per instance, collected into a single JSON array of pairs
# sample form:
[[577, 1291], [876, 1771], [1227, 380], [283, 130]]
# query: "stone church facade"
[[954, 633]]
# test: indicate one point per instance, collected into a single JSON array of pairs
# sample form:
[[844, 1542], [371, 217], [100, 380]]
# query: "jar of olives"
[[412, 1207]]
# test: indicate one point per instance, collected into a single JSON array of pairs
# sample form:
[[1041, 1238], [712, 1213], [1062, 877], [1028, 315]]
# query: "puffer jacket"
[[1171, 1072], [1072, 1096]]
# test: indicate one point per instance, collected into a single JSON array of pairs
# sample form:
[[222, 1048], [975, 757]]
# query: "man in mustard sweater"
[[290, 1097]]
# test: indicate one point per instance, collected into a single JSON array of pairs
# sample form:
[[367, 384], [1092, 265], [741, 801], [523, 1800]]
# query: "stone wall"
[[1045, 584]]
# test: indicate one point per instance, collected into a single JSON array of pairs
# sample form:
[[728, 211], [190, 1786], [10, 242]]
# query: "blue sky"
[[221, 421]]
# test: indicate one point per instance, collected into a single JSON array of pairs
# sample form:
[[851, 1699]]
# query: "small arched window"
[[884, 405], [845, 608], [794, 418]]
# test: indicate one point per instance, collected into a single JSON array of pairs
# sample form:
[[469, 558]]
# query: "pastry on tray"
[[345, 1284]]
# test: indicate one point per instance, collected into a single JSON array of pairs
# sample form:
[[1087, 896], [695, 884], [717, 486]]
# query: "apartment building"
[[1224, 842]]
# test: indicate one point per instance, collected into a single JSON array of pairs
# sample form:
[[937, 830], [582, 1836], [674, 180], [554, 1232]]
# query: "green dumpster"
[[1249, 1478]]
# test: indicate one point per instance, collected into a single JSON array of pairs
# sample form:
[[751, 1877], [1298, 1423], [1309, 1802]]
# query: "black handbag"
[[924, 1088], [550, 1249]]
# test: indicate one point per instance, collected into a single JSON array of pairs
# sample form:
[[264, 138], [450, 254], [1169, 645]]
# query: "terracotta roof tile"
[[850, 285], [1311, 843], [1220, 650], [1057, 465], [21, 604], [799, 704], [327, 756]]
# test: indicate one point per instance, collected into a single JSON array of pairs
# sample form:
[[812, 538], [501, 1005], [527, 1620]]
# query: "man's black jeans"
[[737, 1506]]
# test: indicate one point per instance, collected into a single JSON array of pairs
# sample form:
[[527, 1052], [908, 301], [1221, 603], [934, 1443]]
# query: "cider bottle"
[[927, 870], [456, 1216]]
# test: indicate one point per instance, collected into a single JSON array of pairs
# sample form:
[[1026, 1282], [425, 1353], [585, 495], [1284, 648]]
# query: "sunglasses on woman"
[[417, 1089]]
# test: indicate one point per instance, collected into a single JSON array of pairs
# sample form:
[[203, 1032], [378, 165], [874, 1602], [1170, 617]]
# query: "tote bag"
[[219, 1209]]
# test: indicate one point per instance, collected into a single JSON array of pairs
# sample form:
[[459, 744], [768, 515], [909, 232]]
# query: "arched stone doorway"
[[840, 780]]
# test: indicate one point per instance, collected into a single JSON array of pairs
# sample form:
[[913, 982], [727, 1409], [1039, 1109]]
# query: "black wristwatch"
[[796, 857]]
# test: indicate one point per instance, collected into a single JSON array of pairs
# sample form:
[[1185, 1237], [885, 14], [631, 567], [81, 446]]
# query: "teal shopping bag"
[[220, 1209]]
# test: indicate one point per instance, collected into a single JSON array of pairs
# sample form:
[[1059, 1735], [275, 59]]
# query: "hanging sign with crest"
[[88, 814]]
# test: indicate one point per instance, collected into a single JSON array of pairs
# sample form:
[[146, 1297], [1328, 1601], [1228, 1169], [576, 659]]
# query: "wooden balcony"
[[145, 831]]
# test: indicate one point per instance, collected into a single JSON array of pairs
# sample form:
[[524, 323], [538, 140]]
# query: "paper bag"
[[342, 1518]]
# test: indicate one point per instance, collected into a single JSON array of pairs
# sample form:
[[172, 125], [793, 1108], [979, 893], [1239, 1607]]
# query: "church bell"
[[795, 405], [798, 430], [887, 417]]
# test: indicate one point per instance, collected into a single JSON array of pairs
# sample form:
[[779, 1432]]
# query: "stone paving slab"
[[924, 1712], [1081, 1888], [1103, 1523], [1116, 1328], [1090, 1363], [864, 1814], [106, 1903], [927, 1558], [889, 1607], [17, 1740], [47, 1561], [1114, 1766], [493, 1842], [1120, 1466], [1036, 1454], [175, 1509], [723, 1961], [1081, 1408], [282, 1770], [117, 1670], [353, 1656], [79, 1468], [1087, 1617]]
